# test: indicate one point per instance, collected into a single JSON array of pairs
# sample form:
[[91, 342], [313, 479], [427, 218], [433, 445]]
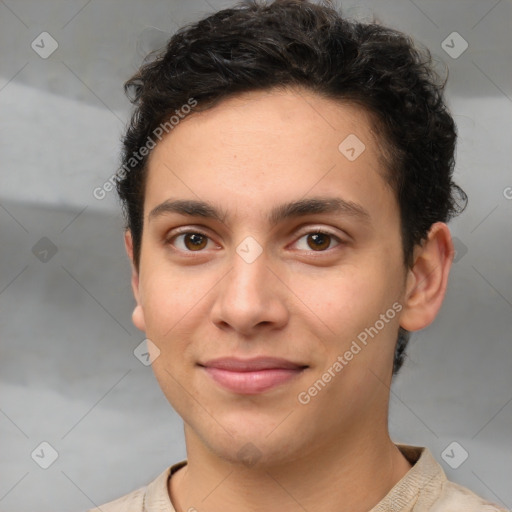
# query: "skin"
[[245, 156]]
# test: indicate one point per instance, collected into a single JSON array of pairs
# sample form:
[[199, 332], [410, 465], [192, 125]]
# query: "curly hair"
[[286, 43]]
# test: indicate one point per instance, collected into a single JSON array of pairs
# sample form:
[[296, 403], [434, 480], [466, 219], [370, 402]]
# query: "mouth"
[[252, 376]]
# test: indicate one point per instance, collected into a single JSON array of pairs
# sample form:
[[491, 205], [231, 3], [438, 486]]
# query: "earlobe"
[[427, 278], [138, 318], [138, 312]]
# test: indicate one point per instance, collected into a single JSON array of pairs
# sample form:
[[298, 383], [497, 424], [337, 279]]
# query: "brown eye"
[[319, 241], [190, 241], [195, 241]]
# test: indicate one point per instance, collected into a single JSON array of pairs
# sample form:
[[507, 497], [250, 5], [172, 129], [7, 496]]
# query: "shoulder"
[[425, 488], [132, 502], [456, 498], [149, 498]]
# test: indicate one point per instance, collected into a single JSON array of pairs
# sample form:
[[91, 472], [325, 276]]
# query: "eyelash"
[[169, 240]]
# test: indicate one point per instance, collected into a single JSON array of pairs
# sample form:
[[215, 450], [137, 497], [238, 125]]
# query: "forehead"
[[272, 145]]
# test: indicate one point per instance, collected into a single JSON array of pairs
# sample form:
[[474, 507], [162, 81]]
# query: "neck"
[[340, 476]]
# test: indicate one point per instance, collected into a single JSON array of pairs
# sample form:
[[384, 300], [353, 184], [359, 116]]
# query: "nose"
[[250, 298]]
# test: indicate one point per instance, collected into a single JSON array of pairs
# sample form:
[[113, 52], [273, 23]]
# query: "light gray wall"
[[68, 375]]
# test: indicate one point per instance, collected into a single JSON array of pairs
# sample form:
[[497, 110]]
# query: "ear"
[[138, 312], [427, 278]]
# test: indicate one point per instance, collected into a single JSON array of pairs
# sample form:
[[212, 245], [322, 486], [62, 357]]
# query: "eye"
[[317, 241], [194, 241], [190, 241]]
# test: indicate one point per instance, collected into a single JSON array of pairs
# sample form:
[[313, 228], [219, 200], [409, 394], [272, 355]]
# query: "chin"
[[250, 446], [255, 454]]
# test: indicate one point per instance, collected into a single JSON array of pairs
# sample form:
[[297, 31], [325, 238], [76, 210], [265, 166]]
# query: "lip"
[[251, 376], [235, 364]]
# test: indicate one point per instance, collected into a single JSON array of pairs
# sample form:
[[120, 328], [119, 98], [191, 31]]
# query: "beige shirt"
[[423, 488]]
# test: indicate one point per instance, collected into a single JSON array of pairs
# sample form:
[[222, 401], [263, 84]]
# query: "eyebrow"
[[293, 209]]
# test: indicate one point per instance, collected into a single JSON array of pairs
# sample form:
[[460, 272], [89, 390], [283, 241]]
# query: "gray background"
[[68, 375]]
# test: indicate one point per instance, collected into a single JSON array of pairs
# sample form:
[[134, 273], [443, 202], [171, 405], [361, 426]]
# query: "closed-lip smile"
[[251, 376]]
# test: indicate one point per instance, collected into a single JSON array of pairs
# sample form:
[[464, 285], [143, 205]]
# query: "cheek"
[[170, 294], [348, 320], [169, 303], [345, 299], [171, 310]]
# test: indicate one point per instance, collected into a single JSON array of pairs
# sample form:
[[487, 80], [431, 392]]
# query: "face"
[[263, 237]]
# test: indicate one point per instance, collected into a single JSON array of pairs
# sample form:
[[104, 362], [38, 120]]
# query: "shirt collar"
[[156, 497], [420, 484]]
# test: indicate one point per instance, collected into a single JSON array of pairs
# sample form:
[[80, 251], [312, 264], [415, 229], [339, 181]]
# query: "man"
[[286, 181]]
